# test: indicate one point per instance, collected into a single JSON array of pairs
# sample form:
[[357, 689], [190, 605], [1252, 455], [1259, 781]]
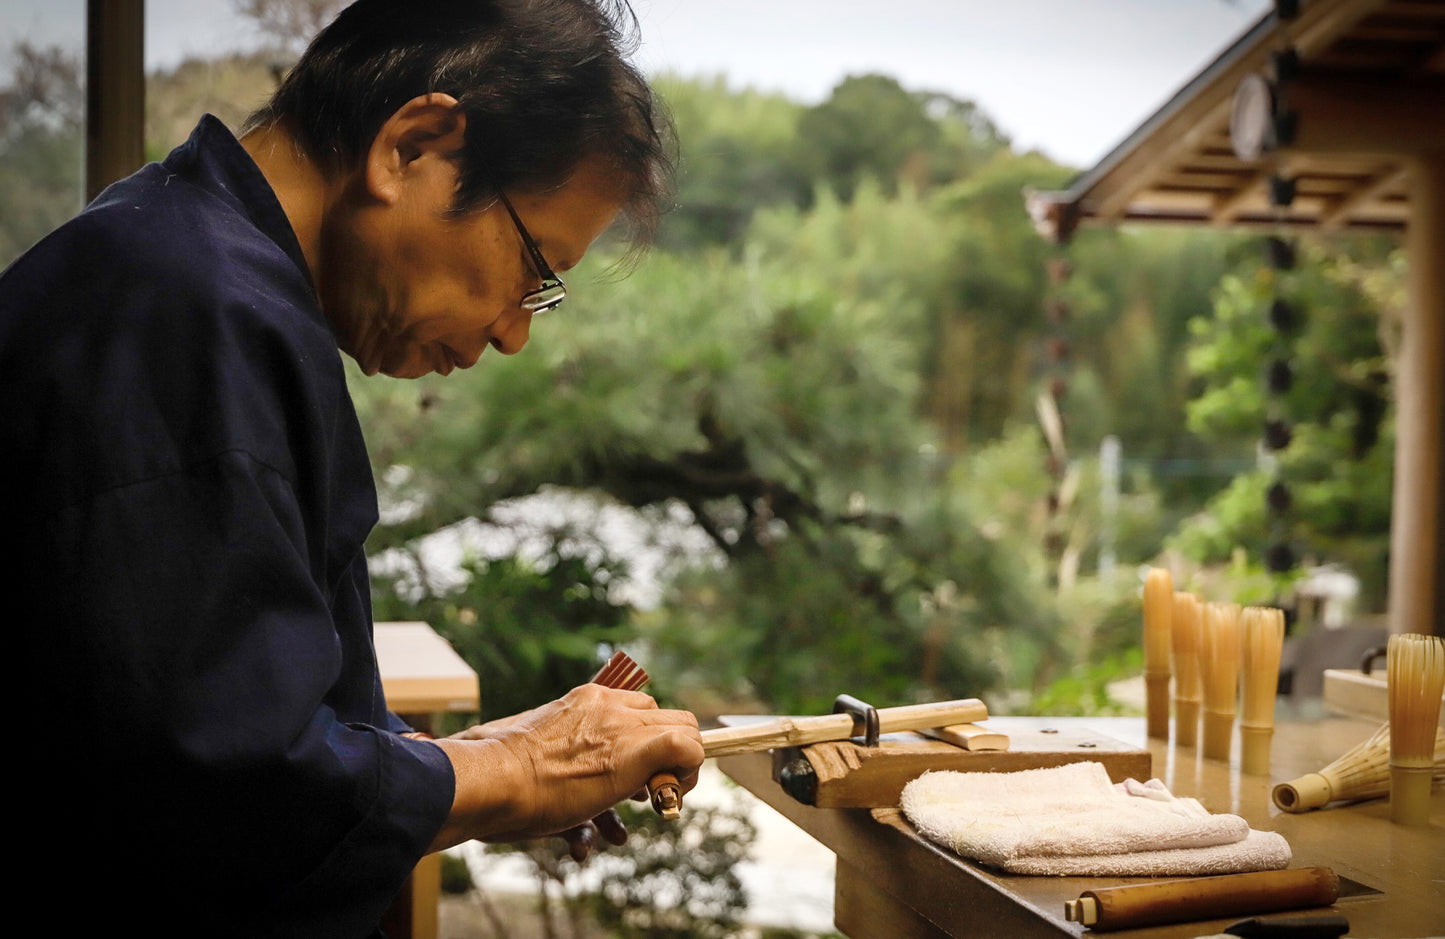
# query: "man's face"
[[411, 290]]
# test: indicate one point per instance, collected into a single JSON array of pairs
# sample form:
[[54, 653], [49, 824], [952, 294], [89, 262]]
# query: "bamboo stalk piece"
[[801, 731]]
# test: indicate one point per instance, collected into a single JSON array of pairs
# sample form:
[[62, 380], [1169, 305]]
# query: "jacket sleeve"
[[195, 631]]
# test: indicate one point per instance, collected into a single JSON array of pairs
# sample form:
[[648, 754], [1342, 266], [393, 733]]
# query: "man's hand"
[[581, 839], [560, 767]]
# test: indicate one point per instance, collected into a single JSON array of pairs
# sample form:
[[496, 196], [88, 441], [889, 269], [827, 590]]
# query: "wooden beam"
[[1334, 217], [114, 92], [1173, 133], [1417, 507], [1341, 111], [1228, 208]]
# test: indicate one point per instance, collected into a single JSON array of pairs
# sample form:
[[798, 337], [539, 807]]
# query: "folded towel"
[[1072, 820]]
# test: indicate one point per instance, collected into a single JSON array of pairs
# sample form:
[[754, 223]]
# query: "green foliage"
[[1084, 691], [531, 631], [1338, 463], [872, 128], [42, 143], [229, 86], [674, 880], [811, 617], [456, 876], [737, 153]]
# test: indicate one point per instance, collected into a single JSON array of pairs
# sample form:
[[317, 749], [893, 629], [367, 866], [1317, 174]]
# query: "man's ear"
[[420, 138]]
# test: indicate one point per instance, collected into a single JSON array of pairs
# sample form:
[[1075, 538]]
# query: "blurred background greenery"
[[812, 414]]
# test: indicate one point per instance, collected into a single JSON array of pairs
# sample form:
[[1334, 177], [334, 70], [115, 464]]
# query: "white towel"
[[1071, 820]]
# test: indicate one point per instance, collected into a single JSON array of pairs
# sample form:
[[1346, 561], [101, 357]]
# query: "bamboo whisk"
[[1262, 638], [1184, 629], [1219, 674], [1416, 677], [1158, 606], [1363, 772]]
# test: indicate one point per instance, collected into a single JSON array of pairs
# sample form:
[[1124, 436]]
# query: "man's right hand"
[[564, 764]]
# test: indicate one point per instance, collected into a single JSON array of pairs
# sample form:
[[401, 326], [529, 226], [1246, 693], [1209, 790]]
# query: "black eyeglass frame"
[[552, 292]]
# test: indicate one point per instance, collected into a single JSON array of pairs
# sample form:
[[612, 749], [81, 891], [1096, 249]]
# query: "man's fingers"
[[609, 825], [580, 840]]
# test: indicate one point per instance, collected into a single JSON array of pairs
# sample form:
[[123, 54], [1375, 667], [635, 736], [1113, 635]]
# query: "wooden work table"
[[893, 883]]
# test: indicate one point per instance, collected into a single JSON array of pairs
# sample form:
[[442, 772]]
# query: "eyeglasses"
[[552, 292]]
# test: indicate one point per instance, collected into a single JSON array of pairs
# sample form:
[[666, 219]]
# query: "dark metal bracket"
[[865, 717]]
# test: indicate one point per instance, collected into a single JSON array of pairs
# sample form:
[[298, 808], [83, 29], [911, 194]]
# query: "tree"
[[290, 24], [42, 115], [1332, 338], [870, 126], [737, 154]]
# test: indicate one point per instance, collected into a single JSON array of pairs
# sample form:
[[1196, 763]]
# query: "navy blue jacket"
[[190, 494]]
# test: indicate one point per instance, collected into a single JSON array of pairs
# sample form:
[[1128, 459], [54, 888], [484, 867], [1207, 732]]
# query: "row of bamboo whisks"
[[1225, 658]]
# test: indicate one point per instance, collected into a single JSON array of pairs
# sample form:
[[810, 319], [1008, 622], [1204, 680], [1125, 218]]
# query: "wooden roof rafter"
[[1389, 52]]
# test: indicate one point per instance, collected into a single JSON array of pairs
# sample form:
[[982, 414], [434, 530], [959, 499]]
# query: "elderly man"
[[190, 489]]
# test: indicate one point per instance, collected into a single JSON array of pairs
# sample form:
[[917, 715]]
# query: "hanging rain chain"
[[1286, 321], [1050, 411]]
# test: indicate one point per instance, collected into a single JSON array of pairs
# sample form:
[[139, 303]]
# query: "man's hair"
[[544, 85]]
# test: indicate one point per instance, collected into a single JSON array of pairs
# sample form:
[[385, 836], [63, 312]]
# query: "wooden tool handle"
[[1180, 901], [666, 795], [800, 731]]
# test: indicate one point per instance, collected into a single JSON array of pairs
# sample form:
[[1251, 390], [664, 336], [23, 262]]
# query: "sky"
[[1071, 78]]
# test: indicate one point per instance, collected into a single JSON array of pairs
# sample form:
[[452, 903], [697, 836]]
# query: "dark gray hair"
[[544, 85]]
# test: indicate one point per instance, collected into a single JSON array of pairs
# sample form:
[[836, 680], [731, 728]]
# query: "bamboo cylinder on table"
[[1219, 675], [1158, 608], [1415, 668], [1261, 641], [1362, 772], [1158, 903], [1184, 629]]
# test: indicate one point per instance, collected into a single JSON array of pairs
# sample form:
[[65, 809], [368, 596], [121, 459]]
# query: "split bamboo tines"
[[1261, 641], [1184, 629], [1158, 607], [1362, 772], [1219, 675], [1415, 668]]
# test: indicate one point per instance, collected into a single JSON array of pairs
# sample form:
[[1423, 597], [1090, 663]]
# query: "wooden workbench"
[[893, 883]]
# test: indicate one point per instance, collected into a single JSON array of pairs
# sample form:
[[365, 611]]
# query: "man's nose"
[[515, 329]]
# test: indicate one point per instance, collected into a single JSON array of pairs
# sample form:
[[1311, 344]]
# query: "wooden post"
[[1417, 520], [114, 92]]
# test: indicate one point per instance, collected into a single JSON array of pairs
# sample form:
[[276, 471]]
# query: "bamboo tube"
[[1362, 772], [1262, 639], [1103, 909], [1184, 637], [1219, 674], [799, 731], [1158, 605], [1416, 677]]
